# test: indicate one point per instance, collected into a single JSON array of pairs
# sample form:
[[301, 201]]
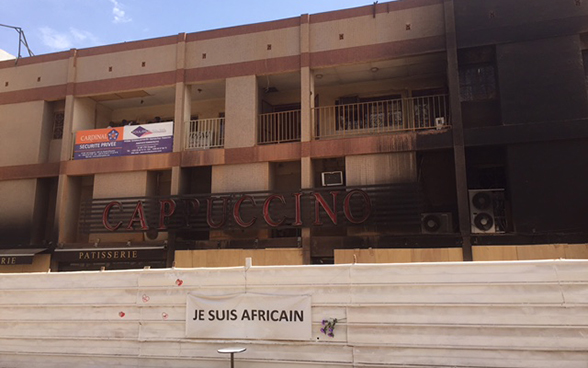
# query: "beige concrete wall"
[[347, 256], [17, 199], [22, 131], [425, 21], [240, 178], [208, 109], [41, 263], [236, 257], [385, 168], [113, 185], [22, 77], [126, 63], [242, 103], [244, 47]]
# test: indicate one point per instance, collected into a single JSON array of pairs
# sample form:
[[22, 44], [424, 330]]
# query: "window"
[[58, 119], [477, 82], [477, 74]]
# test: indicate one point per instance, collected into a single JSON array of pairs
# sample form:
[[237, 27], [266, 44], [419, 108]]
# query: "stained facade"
[[455, 126]]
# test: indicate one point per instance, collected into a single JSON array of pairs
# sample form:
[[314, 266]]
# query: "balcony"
[[378, 117], [279, 127], [205, 133]]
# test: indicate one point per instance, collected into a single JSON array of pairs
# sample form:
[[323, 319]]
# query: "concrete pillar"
[[307, 181], [242, 105], [67, 208], [307, 93]]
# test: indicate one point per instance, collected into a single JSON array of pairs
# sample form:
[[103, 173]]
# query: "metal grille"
[[279, 127], [396, 205], [377, 117], [205, 133], [58, 120]]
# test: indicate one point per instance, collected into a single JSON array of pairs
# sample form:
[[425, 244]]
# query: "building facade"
[[457, 128]]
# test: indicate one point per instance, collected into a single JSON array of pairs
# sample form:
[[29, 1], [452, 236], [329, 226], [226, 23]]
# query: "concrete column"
[[457, 131], [307, 93], [242, 105], [307, 181], [182, 113], [307, 104], [67, 208]]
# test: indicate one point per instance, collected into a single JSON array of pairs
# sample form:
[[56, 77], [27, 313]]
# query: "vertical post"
[[458, 139]]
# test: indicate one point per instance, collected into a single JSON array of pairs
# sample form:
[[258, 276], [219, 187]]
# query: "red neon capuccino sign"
[[262, 211]]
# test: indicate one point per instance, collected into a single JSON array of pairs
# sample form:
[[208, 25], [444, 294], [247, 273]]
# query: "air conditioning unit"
[[436, 223], [332, 178], [487, 211], [439, 123]]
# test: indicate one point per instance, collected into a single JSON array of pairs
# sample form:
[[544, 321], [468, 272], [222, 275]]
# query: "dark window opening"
[[58, 120]]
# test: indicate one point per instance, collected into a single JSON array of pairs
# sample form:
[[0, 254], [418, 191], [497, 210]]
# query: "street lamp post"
[[232, 351]]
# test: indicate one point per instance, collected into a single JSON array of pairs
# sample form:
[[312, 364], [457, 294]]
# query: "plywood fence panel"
[[529, 252], [236, 257], [480, 253], [477, 314]]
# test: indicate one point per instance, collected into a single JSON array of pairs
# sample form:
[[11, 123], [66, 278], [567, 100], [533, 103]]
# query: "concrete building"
[[414, 130]]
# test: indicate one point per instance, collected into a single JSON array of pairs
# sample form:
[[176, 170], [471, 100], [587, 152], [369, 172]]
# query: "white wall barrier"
[[493, 314]]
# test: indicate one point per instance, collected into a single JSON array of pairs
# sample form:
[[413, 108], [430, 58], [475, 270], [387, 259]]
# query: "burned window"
[[58, 119], [477, 74], [477, 82]]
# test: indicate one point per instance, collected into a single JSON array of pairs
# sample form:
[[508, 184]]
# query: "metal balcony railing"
[[279, 127], [368, 118], [205, 133]]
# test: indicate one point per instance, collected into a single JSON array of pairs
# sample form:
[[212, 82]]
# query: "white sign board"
[[249, 316]]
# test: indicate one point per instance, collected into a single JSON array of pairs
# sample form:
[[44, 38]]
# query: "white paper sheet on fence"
[[249, 316]]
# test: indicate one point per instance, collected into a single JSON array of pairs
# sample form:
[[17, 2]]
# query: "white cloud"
[[83, 36], [66, 40], [119, 14], [54, 39]]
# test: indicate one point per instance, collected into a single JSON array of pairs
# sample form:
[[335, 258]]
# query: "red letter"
[[138, 211], [211, 223], [266, 206], [195, 204], [163, 214], [331, 212], [237, 214], [298, 221], [107, 212], [347, 207]]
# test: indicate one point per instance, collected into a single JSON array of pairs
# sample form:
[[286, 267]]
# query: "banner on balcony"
[[249, 316], [124, 141]]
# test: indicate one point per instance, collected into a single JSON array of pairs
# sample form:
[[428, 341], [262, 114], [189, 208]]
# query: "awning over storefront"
[[18, 256], [122, 254]]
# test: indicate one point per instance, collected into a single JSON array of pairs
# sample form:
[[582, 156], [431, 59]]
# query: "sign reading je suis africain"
[[314, 208]]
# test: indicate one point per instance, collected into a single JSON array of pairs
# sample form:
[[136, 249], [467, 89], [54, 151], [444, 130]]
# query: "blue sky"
[[57, 25]]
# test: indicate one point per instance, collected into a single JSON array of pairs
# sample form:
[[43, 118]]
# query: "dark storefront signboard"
[[99, 255], [398, 204], [124, 141], [12, 257], [15, 260]]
